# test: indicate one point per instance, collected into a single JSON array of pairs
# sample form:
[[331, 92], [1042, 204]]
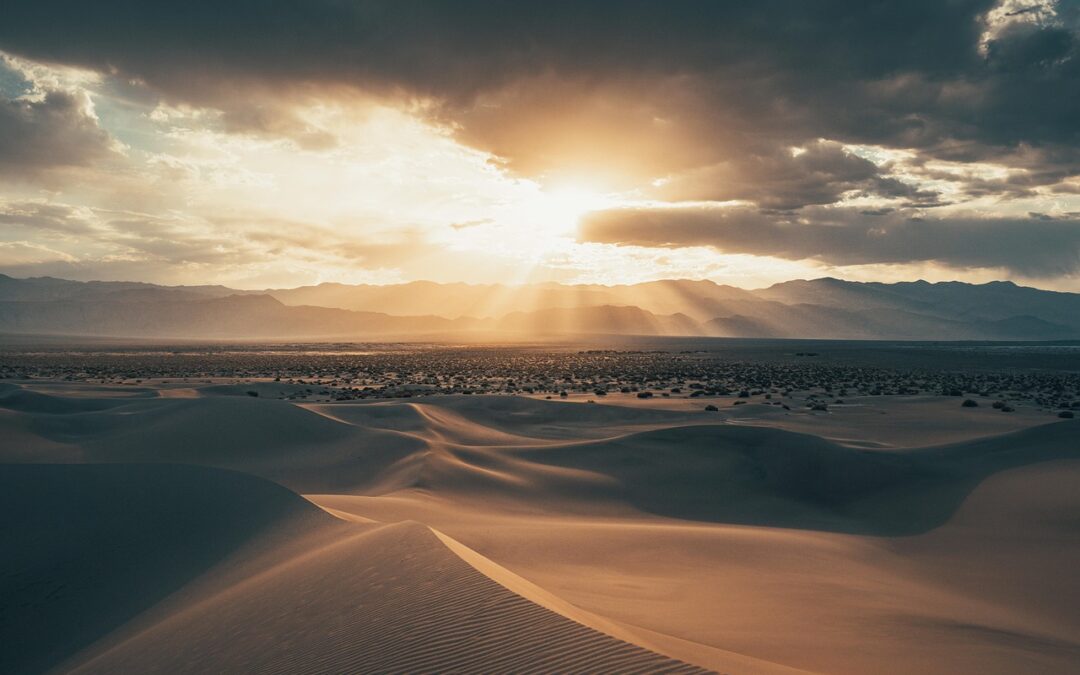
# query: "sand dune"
[[273, 439], [541, 456], [128, 583], [984, 593], [89, 547], [772, 477], [861, 421], [388, 598], [566, 537], [23, 399]]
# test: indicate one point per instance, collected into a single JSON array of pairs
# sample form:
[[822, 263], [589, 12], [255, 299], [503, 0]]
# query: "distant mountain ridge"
[[819, 308]]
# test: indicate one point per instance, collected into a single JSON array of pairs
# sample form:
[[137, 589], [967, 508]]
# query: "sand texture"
[[159, 528]]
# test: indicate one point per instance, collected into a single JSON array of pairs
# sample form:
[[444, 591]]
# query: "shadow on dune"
[[269, 438], [555, 419], [87, 547], [26, 401], [180, 569], [770, 477], [512, 452]]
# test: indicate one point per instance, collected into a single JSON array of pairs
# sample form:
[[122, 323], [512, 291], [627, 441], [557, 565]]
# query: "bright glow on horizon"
[[559, 210]]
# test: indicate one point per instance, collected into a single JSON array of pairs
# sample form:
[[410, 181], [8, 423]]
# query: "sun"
[[558, 210], [533, 225]]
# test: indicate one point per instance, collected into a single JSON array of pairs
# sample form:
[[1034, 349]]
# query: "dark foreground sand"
[[162, 529]]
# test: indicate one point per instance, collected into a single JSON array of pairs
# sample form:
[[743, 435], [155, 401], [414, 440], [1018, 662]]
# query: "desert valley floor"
[[226, 525]]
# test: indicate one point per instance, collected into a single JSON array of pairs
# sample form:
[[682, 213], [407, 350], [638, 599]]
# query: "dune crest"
[[665, 644], [270, 583], [382, 598]]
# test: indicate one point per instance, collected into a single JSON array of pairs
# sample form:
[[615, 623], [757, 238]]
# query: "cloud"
[[45, 217], [668, 87], [1035, 247], [818, 173], [55, 131], [23, 253], [771, 104], [86, 243]]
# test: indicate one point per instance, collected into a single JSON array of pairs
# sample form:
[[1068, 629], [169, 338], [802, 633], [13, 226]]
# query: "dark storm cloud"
[[459, 48], [36, 136], [1038, 246], [755, 75], [820, 173]]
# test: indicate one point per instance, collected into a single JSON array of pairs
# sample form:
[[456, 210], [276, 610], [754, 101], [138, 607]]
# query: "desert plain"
[[737, 507]]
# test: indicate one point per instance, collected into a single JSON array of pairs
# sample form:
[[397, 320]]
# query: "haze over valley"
[[822, 308]]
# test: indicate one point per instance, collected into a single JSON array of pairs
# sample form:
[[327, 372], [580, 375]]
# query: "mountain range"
[[819, 308]]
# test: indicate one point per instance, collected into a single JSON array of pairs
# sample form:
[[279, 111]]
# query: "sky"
[[287, 143]]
